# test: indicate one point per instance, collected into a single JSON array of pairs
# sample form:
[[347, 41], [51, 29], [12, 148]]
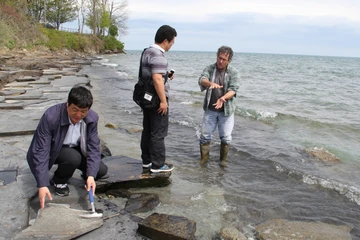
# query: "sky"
[[307, 27]]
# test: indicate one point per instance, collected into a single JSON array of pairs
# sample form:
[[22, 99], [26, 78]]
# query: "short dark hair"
[[226, 50], [165, 32], [81, 97]]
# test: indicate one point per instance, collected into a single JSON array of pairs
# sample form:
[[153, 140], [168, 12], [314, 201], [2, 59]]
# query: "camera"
[[172, 71]]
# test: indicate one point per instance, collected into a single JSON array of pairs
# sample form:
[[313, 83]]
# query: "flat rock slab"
[[278, 229], [40, 82], [2, 99], [70, 81], [52, 72], [59, 221], [17, 85], [126, 172], [28, 95], [16, 125], [11, 106], [12, 92], [26, 79]]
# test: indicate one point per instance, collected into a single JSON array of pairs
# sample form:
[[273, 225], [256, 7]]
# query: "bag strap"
[[140, 68]]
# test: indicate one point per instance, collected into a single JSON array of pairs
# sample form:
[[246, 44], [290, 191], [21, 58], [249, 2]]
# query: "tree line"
[[103, 17]]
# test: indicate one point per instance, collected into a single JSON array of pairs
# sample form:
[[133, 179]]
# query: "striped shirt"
[[154, 61]]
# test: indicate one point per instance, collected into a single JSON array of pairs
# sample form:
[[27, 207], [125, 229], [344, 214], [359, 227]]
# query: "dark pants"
[[155, 129], [71, 159]]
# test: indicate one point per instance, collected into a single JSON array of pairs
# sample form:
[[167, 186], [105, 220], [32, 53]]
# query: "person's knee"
[[103, 169], [226, 140], [69, 157]]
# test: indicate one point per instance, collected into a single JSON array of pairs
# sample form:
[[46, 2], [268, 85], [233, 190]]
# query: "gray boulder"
[[162, 226]]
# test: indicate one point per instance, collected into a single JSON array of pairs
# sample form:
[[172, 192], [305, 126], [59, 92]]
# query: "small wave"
[[187, 103], [350, 192], [122, 74], [184, 123], [197, 197], [110, 64], [258, 115]]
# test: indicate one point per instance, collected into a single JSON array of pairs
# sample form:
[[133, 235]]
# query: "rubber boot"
[[224, 149], [204, 151]]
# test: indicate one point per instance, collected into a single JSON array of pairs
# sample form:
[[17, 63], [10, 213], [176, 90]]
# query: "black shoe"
[[61, 189]]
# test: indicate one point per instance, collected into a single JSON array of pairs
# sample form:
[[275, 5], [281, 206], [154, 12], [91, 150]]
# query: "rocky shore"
[[30, 82]]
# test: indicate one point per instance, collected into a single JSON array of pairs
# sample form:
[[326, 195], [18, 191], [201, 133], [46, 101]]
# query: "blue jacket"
[[49, 137]]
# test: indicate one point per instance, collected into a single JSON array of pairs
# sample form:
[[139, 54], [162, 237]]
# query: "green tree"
[[113, 31], [101, 14], [36, 9], [61, 11]]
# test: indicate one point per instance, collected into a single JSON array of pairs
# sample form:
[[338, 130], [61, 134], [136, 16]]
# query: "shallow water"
[[285, 105]]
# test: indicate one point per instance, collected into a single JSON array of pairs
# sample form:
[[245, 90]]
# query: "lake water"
[[286, 104]]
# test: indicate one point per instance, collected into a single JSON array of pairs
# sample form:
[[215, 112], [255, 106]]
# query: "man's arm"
[[93, 152], [206, 83], [160, 90], [38, 158], [204, 79]]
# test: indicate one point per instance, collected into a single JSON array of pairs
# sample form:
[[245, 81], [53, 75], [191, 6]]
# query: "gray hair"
[[226, 50]]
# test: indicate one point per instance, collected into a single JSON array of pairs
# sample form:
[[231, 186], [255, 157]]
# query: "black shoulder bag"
[[145, 94]]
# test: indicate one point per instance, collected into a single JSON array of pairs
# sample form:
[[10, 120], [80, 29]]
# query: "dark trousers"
[[155, 129], [71, 159]]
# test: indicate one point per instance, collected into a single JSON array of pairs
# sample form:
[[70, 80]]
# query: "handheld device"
[[172, 71]]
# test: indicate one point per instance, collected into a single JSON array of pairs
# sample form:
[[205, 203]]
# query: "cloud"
[[321, 27], [203, 10]]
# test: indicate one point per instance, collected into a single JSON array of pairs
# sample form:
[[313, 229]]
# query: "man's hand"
[[43, 192], [219, 103], [90, 182], [206, 83], [214, 85], [163, 108]]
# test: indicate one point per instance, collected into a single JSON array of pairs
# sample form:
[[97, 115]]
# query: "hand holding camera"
[[171, 73]]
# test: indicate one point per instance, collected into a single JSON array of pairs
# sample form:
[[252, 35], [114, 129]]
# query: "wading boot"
[[204, 151], [224, 149]]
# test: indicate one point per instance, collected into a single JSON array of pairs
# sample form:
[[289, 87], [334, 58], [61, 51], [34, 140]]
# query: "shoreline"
[[119, 141]]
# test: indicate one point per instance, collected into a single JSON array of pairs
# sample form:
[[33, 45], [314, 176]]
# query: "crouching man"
[[67, 135]]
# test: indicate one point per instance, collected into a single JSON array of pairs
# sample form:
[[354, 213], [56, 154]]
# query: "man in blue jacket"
[[67, 135]]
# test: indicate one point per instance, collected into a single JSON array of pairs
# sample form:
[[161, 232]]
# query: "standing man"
[[221, 82], [155, 122], [67, 135]]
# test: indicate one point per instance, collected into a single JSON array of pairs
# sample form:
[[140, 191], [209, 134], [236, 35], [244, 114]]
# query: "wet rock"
[[59, 221], [105, 151], [323, 155], [281, 229], [229, 233], [122, 193], [125, 172], [112, 126], [163, 226], [141, 202]]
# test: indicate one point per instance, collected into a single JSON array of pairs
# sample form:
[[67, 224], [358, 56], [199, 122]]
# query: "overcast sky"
[[311, 27]]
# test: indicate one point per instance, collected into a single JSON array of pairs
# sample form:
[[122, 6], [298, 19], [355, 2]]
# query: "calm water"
[[285, 104]]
